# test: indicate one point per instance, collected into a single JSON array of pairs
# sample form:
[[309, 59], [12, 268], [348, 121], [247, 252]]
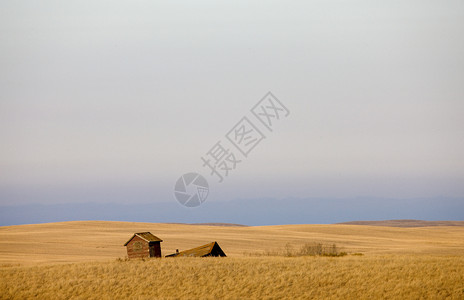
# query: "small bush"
[[119, 259], [308, 249], [313, 249]]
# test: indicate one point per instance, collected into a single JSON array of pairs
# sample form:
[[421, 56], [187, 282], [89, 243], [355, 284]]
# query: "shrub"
[[307, 249]]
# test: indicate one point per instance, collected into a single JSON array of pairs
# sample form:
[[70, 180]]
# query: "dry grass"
[[93, 240], [79, 260], [350, 277]]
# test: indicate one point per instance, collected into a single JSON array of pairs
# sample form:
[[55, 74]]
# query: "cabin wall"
[[138, 248]]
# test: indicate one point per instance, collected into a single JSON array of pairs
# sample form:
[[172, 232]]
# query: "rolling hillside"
[[86, 260], [100, 240]]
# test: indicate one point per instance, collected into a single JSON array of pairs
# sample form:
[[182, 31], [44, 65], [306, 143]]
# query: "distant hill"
[[252, 212], [219, 224], [405, 223], [210, 224], [84, 241]]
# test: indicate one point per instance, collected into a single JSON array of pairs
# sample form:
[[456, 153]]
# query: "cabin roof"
[[147, 236], [201, 251]]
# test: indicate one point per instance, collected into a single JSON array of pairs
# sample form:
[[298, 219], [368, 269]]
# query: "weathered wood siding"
[[138, 248]]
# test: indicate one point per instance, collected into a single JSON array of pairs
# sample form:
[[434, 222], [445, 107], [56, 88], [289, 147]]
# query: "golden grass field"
[[80, 260]]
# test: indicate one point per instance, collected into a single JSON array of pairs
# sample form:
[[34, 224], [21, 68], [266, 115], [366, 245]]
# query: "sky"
[[112, 101]]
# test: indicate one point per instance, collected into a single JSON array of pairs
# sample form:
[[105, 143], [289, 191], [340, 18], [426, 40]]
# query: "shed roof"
[[147, 236], [210, 249]]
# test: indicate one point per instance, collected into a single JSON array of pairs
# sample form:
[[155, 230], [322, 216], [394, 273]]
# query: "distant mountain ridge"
[[405, 223], [220, 224], [252, 212]]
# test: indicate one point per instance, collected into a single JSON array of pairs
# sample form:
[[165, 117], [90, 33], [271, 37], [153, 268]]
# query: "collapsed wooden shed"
[[143, 244], [211, 249]]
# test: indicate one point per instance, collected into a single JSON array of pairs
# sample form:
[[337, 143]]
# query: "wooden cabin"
[[211, 249], [143, 244]]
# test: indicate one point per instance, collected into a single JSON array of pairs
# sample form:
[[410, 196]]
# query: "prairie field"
[[352, 277], [87, 260]]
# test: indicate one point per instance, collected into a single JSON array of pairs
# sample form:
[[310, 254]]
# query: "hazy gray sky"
[[114, 100]]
